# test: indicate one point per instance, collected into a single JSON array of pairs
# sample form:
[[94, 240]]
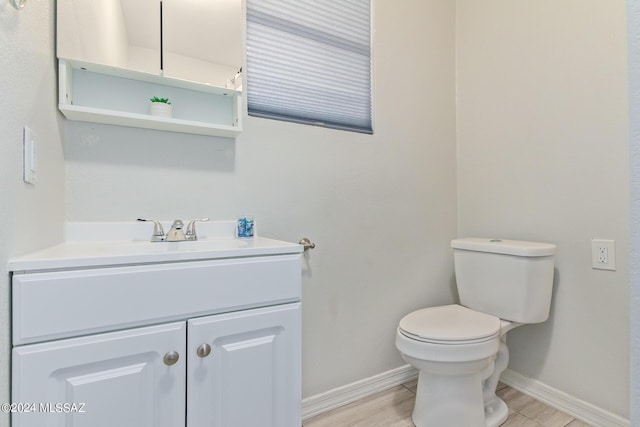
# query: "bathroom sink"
[[211, 244], [139, 247], [101, 244]]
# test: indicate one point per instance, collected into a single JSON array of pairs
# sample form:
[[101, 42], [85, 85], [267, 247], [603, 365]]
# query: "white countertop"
[[108, 244]]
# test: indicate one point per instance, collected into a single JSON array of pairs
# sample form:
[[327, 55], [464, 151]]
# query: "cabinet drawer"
[[62, 304]]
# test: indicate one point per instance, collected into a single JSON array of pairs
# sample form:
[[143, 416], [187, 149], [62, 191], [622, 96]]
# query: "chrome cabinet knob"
[[203, 350], [171, 358]]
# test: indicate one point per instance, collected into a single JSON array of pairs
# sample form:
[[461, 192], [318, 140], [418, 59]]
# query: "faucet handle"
[[158, 231], [191, 228]]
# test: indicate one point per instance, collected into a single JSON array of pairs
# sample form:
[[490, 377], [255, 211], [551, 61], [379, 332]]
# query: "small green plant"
[[156, 99]]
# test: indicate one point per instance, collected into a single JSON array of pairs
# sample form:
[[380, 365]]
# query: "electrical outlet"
[[603, 254]]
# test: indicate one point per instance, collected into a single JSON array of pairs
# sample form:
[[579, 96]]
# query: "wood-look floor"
[[393, 407]]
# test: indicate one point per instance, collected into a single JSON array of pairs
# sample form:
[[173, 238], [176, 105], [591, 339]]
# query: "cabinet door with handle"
[[132, 378], [243, 368]]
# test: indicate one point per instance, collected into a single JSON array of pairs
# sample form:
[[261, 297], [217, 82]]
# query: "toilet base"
[[456, 402], [451, 400], [496, 412]]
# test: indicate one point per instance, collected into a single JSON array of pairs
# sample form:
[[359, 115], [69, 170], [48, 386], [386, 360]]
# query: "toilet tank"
[[510, 279]]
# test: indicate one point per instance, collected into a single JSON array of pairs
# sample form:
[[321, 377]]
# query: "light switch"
[[29, 156]]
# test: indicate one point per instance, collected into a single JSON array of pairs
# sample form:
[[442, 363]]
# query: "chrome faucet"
[[175, 234]]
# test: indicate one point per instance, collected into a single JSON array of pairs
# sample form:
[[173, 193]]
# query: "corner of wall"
[[633, 36]]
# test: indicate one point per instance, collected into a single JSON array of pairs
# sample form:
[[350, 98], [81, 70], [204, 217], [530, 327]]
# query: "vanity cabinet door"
[[125, 379], [243, 369]]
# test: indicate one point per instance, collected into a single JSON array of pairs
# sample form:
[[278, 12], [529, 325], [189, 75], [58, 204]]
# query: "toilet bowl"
[[460, 349], [454, 348]]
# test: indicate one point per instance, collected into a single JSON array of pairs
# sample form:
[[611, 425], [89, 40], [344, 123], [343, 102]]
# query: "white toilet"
[[460, 350]]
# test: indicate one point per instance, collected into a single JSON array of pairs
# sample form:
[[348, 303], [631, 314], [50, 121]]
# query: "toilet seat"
[[450, 325]]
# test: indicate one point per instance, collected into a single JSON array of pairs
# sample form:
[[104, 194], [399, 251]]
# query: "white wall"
[[633, 25], [380, 208], [543, 155], [541, 109], [31, 216]]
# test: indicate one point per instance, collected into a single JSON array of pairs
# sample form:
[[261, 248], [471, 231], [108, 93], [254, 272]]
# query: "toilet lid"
[[450, 324]]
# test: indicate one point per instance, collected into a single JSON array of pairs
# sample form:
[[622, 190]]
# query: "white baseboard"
[[590, 414], [344, 395], [573, 406]]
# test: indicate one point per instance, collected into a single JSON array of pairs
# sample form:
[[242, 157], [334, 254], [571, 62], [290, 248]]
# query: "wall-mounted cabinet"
[[114, 55]]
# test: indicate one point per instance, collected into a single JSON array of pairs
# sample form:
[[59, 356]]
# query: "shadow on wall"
[[453, 286], [536, 349], [119, 145]]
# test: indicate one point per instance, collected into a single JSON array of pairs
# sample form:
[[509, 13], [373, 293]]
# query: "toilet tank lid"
[[507, 247]]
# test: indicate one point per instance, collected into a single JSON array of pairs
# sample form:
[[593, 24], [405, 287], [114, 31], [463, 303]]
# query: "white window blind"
[[309, 61]]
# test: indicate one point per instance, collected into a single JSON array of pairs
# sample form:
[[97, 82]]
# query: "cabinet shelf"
[[99, 115], [110, 95]]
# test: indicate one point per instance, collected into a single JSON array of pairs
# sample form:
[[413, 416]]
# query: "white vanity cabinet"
[[112, 379], [206, 342], [249, 377]]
